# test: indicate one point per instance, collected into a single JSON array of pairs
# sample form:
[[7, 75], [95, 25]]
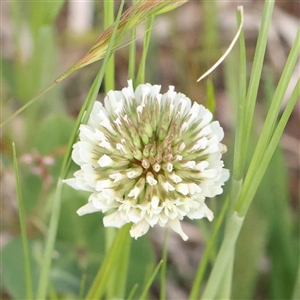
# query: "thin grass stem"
[[163, 273], [99, 285], [256, 74], [131, 294], [271, 119], [149, 282], [221, 263], [142, 66], [207, 252], [239, 157], [109, 78], [132, 55], [27, 268], [256, 173]]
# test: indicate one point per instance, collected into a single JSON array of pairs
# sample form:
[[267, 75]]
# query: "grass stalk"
[[207, 252], [163, 273], [149, 282], [27, 268], [239, 157], [142, 66], [270, 122], [223, 257], [107, 269], [256, 173], [132, 54], [109, 78], [252, 91]]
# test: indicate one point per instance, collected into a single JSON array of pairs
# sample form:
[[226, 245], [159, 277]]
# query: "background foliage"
[[38, 44]]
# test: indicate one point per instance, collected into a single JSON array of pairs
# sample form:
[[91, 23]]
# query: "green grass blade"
[[130, 296], [132, 54], [271, 117], [163, 273], [141, 72], [29, 293], [121, 271], [256, 173], [256, 74], [239, 157], [109, 264], [27, 104], [45, 268], [149, 282], [223, 258], [207, 253], [224, 291], [296, 291], [109, 79]]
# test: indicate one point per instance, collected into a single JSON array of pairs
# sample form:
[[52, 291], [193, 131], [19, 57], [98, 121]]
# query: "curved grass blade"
[[138, 13]]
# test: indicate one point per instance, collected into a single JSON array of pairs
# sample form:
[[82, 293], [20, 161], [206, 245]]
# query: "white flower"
[[151, 158]]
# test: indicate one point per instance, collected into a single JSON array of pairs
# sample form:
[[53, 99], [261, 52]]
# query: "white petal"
[[105, 161], [139, 229], [175, 178], [182, 188], [117, 177], [134, 172], [104, 184], [114, 220], [201, 166], [208, 213], [154, 202], [134, 215], [176, 226], [87, 209], [150, 179]]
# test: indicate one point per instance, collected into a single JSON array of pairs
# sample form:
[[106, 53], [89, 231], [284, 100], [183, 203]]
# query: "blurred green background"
[[39, 41]]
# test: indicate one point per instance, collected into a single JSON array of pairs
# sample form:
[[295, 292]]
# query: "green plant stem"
[[27, 268], [271, 119], [239, 151], [256, 173], [21, 109], [132, 55], [121, 271], [51, 235], [256, 73], [99, 285], [130, 296], [227, 247], [149, 282], [207, 253], [109, 79], [141, 73], [163, 273], [296, 291]]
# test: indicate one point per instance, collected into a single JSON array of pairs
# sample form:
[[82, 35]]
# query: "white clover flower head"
[[152, 158]]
